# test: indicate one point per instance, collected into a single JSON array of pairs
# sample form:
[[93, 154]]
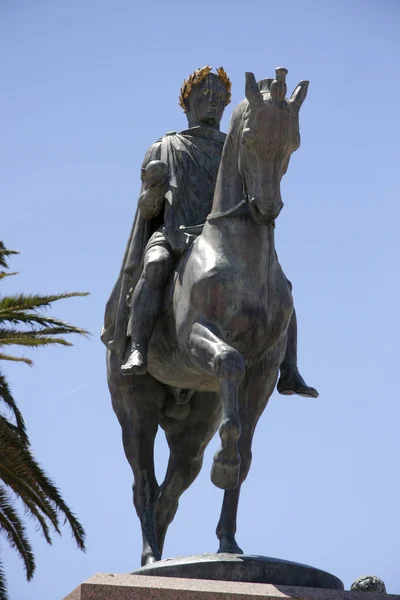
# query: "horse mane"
[[229, 184]]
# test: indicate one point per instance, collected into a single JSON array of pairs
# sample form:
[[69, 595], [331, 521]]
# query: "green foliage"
[[23, 323]]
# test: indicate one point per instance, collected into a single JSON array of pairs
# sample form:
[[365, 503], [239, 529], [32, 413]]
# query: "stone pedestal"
[[141, 587]]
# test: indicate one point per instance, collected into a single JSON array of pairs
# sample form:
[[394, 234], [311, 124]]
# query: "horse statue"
[[217, 347]]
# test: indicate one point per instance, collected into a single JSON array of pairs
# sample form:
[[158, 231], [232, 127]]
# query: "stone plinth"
[[140, 587]]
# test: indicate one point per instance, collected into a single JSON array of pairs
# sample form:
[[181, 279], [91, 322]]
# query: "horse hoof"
[[225, 473], [149, 556], [149, 559], [229, 546]]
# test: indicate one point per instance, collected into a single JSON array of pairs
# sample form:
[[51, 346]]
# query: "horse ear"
[[252, 91], [299, 94]]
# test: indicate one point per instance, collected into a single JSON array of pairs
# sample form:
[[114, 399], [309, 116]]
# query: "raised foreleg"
[[254, 393], [209, 352]]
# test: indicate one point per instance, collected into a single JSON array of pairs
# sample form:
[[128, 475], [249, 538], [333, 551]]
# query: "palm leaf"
[[32, 301], [3, 583], [54, 495], [30, 338], [24, 324], [29, 494], [27, 361], [22, 473], [17, 471], [30, 318], [34, 512], [6, 396], [14, 530], [4, 253]]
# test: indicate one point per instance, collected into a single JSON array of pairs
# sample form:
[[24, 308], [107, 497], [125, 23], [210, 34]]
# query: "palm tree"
[[23, 323]]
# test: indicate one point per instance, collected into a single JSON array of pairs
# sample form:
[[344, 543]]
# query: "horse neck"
[[233, 232], [229, 185]]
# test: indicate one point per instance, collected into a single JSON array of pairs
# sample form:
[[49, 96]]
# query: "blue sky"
[[86, 88]]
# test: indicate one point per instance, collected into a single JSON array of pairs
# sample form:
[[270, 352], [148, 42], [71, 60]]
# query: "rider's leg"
[[146, 305], [290, 360], [290, 381]]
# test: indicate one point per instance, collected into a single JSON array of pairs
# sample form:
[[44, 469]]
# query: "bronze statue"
[[201, 318]]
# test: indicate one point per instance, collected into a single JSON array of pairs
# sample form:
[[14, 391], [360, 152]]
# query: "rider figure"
[[179, 174]]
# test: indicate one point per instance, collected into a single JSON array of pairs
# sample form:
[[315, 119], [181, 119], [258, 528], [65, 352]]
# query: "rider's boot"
[[290, 381], [137, 361]]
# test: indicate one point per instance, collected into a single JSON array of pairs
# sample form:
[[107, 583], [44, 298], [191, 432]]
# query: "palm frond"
[[30, 338], [54, 329], [23, 359], [34, 512], [54, 495], [22, 473], [32, 301], [6, 396], [17, 467], [24, 324], [30, 318], [29, 494], [13, 528], [4, 253], [3, 583]]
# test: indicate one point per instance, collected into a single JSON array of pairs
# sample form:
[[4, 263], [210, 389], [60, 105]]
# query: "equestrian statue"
[[201, 324]]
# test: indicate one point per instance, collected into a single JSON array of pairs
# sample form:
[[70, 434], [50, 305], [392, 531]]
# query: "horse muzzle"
[[264, 212]]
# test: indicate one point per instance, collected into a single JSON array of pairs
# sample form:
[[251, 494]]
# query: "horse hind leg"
[[216, 357], [137, 402], [138, 446], [145, 490]]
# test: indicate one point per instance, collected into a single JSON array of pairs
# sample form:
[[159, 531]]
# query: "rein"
[[228, 212]]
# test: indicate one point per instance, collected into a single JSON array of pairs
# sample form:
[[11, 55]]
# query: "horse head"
[[267, 136]]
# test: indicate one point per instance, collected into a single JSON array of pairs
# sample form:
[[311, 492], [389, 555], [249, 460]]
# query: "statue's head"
[[204, 96]]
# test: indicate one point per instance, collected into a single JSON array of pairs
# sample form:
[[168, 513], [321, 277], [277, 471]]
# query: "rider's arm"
[[151, 199]]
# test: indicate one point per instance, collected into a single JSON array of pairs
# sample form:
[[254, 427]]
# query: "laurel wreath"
[[197, 77]]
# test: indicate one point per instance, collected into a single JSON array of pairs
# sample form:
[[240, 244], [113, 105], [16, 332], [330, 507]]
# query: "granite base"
[[140, 587]]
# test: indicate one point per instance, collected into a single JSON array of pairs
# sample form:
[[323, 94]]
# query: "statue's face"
[[207, 101]]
